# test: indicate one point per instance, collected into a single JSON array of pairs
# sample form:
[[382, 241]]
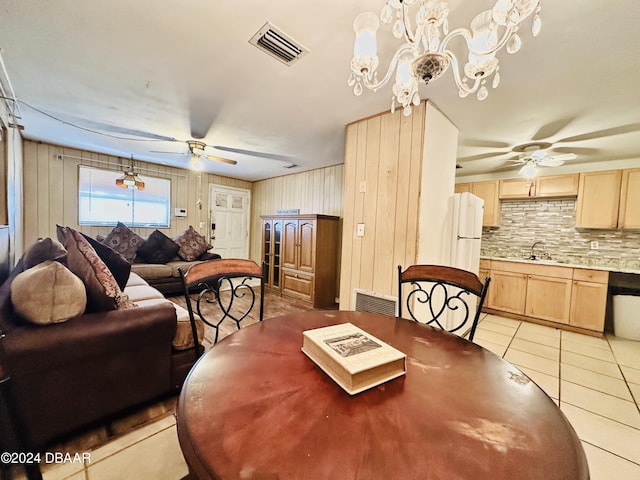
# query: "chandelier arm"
[[462, 86], [408, 31], [463, 32], [366, 81]]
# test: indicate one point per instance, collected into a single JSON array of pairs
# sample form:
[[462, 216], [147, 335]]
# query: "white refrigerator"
[[466, 235], [466, 231]]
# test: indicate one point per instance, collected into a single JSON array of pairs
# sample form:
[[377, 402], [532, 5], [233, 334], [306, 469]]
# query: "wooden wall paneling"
[[386, 207], [371, 202], [417, 138], [42, 191], [30, 172], [403, 200], [348, 227]]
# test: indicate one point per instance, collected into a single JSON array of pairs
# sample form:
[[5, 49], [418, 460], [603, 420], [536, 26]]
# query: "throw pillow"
[[209, 256], [124, 241], [192, 244], [158, 248], [48, 293], [118, 265], [44, 249], [103, 292]]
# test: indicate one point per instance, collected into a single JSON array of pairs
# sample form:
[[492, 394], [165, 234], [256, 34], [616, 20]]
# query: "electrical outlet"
[[360, 230], [363, 186], [594, 245]]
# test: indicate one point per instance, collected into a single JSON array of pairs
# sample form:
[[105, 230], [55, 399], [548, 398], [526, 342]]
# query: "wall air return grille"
[[374, 302], [276, 43]]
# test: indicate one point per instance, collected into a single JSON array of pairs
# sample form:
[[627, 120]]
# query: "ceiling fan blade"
[[576, 150], [219, 159], [550, 162], [632, 127], [167, 153], [551, 129], [202, 115], [481, 156], [476, 142], [563, 157], [253, 153]]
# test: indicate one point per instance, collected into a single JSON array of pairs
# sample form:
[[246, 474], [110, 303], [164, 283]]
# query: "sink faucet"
[[533, 256]]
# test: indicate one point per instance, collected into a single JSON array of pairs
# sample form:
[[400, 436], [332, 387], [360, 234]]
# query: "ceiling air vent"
[[276, 43]]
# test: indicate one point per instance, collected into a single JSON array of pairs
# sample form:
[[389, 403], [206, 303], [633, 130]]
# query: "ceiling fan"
[[533, 155], [197, 152]]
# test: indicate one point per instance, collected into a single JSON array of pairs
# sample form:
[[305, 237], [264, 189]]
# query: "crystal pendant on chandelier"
[[425, 47]]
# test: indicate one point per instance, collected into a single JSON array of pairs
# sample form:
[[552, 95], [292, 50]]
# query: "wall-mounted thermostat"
[[180, 212]]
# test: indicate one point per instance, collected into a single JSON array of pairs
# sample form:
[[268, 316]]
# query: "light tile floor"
[[595, 381]]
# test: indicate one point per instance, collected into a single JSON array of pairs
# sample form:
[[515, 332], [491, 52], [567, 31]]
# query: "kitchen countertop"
[[562, 264]]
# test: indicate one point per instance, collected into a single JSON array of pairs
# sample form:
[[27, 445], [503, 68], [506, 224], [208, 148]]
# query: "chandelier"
[[130, 180], [424, 55]]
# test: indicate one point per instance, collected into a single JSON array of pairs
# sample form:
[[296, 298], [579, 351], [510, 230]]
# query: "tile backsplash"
[[552, 222]]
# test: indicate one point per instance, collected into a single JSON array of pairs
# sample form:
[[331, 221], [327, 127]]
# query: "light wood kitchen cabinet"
[[308, 257], [515, 188], [557, 186], [485, 269], [462, 187], [488, 191], [573, 297], [549, 298], [629, 215], [507, 291], [598, 199], [552, 186], [589, 299]]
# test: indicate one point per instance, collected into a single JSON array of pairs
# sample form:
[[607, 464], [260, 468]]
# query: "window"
[[101, 202]]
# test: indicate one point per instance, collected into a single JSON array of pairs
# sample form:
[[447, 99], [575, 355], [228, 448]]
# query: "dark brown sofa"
[[65, 376]]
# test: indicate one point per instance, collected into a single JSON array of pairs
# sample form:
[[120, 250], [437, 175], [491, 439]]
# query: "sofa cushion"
[[124, 241], [192, 244], [118, 265], [103, 292], [48, 293], [158, 248], [135, 279], [151, 271], [137, 293], [175, 265], [183, 339], [43, 249]]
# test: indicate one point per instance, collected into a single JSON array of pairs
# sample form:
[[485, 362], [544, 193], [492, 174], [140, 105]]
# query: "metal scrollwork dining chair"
[[447, 297], [226, 289]]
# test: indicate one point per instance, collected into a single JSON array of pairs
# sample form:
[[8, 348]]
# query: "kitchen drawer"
[[297, 285], [532, 268], [485, 264], [585, 275]]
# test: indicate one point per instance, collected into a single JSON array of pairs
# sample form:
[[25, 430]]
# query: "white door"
[[229, 221]]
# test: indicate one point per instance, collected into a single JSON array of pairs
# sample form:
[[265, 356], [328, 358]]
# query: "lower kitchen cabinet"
[[507, 292], [589, 299], [548, 298], [564, 296]]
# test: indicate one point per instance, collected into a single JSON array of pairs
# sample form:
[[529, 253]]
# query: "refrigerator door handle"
[[469, 238]]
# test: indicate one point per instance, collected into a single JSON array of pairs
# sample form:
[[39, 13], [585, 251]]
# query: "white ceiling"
[[177, 68]]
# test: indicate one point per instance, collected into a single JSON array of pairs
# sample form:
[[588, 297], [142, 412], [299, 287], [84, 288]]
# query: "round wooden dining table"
[[255, 407]]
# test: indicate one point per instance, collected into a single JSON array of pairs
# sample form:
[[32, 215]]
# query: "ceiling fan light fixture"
[[130, 180], [426, 46], [528, 169]]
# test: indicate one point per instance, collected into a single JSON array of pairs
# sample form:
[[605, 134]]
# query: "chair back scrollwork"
[[442, 296]]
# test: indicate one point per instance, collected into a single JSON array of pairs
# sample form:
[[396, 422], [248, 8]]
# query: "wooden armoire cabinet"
[[301, 253]]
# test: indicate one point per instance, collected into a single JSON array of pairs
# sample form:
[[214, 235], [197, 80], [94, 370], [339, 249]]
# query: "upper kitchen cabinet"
[[629, 215], [598, 199], [462, 187], [488, 191], [552, 186], [557, 186]]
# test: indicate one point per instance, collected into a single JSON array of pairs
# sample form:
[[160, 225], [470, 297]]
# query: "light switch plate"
[[360, 230]]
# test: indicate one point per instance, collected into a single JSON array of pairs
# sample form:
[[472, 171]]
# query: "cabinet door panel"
[[290, 244], [548, 298], [488, 191], [598, 199], [588, 305], [630, 199], [306, 246], [558, 186], [297, 285], [507, 291], [517, 188]]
